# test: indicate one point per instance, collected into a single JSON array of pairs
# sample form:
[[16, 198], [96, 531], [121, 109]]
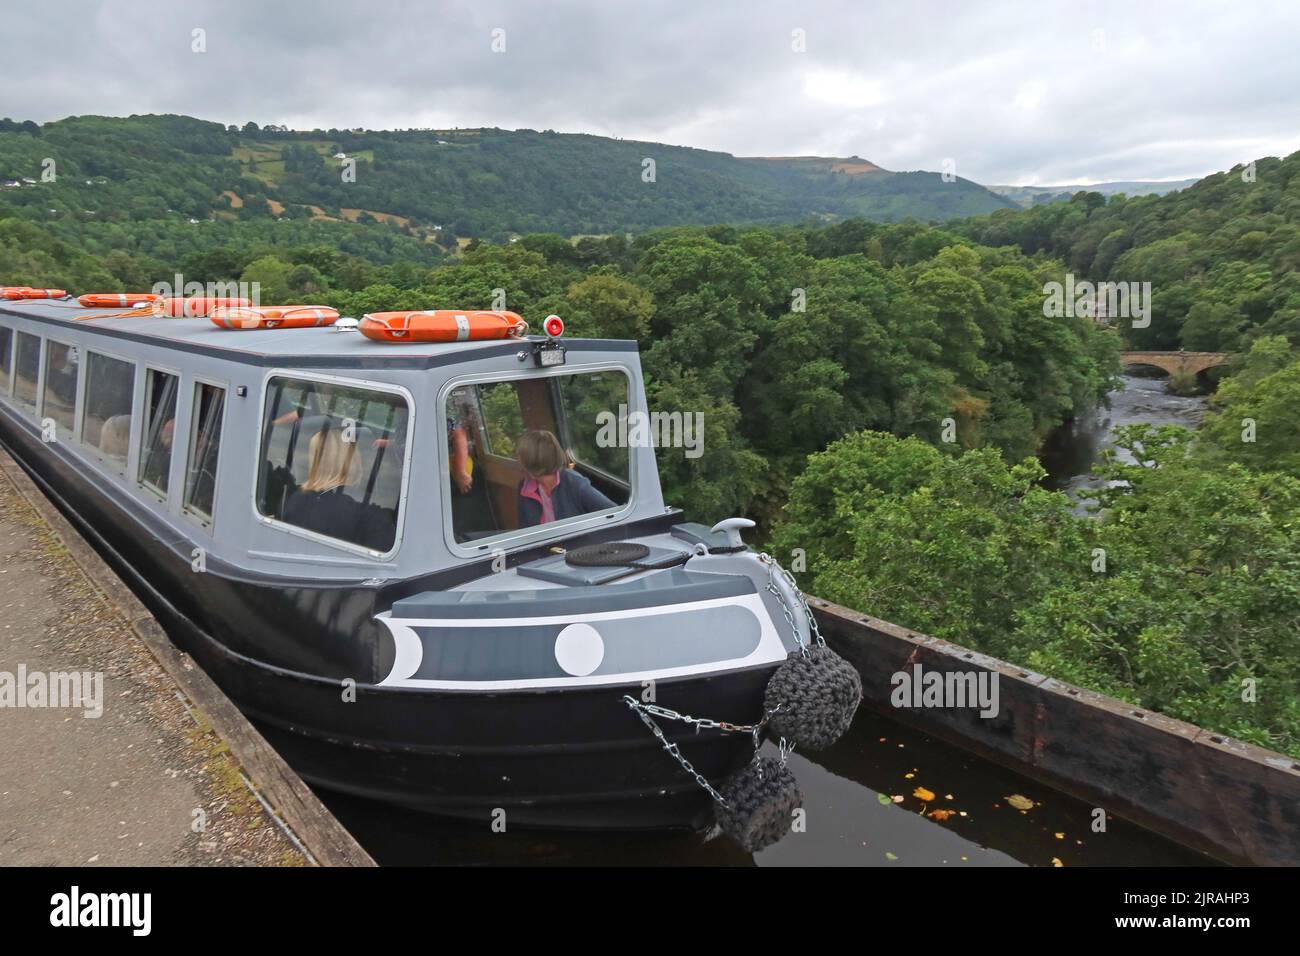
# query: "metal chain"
[[700, 723], [773, 566], [785, 607], [644, 711], [673, 750], [803, 601]]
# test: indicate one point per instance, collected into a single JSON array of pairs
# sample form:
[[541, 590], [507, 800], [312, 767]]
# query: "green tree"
[[270, 276]]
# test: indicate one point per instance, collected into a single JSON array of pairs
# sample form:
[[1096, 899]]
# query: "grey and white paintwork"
[[583, 644]]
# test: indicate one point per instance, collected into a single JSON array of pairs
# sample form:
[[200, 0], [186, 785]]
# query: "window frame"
[[144, 368], [83, 398], [562, 414], [196, 382], [399, 519], [43, 381], [9, 357], [529, 537], [19, 404]]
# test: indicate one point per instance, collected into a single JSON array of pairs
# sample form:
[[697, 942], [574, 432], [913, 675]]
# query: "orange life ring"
[[116, 300], [196, 306], [26, 292], [274, 317], [440, 325]]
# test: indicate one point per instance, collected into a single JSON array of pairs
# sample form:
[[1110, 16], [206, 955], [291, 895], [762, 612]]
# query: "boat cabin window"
[[332, 460], [27, 367], [160, 390], [6, 347], [205, 445], [60, 401], [527, 452], [106, 422]]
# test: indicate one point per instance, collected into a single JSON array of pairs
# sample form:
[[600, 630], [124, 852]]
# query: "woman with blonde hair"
[[321, 503], [552, 491]]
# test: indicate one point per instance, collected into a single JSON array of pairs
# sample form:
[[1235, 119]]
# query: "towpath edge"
[[276, 784]]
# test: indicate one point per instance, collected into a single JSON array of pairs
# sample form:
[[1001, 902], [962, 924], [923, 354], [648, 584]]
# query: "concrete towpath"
[[149, 780]]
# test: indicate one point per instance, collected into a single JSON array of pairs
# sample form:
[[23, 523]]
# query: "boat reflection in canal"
[[855, 817]]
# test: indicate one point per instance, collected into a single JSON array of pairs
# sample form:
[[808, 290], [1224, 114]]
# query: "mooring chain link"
[[644, 711], [673, 750], [773, 566], [785, 607], [700, 723], [786, 749]]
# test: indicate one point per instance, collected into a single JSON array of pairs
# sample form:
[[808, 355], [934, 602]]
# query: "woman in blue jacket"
[[552, 491]]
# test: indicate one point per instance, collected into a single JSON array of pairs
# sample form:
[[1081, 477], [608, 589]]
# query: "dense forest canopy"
[[873, 392], [1222, 256]]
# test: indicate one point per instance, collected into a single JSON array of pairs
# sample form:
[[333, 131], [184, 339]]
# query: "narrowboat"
[[340, 530]]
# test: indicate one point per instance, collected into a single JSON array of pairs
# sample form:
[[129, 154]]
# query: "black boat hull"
[[575, 757]]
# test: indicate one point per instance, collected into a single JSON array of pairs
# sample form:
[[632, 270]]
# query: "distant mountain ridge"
[[487, 183], [1032, 195]]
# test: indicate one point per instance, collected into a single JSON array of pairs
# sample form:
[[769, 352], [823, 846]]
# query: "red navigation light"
[[554, 326]]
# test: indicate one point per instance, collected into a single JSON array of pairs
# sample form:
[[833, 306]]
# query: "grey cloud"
[[1012, 92]]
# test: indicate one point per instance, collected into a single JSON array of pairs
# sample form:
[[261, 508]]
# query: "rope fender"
[[760, 801], [812, 697]]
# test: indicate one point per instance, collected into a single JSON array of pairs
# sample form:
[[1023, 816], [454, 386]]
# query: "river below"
[[1072, 453]]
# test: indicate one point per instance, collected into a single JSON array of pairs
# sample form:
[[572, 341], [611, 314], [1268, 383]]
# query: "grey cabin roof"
[[321, 347]]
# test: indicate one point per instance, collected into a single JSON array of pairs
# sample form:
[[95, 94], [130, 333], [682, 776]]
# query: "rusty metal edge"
[[1232, 800], [311, 822]]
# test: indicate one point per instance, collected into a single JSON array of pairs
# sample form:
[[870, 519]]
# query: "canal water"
[[884, 795]]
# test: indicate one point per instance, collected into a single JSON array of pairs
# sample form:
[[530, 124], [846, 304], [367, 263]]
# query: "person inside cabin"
[[553, 490], [462, 466], [305, 406], [321, 503]]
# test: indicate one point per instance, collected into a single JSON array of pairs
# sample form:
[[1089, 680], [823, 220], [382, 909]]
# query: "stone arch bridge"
[[1172, 362]]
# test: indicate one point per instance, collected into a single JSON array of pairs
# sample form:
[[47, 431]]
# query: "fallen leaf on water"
[[908, 776], [1059, 836], [941, 815], [897, 798], [1056, 862], [884, 798], [1019, 802], [923, 794], [890, 856]]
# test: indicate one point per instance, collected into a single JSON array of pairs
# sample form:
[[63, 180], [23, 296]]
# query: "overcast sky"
[[1023, 93]]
